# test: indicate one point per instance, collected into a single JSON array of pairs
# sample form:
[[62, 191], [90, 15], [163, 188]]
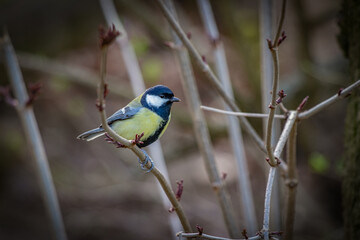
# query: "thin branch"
[[33, 136], [272, 106], [234, 130], [201, 130], [244, 114], [279, 147], [269, 128], [135, 149], [291, 183], [279, 29], [210, 237], [266, 29], [138, 87], [340, 95], [283, 108], [211, 77], [285, 133]]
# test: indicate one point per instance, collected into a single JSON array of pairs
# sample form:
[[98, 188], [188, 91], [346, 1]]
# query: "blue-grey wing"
[[124, 113]]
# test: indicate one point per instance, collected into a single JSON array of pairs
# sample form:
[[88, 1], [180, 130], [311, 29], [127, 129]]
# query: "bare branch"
[[244, 114], [276, 42], [291, 183], [279, 147], [276, 76], [283, 108], [340, 95], [234, 130], [138, 87], [34, 139], [201, 130], [135, 149], [210, 76]]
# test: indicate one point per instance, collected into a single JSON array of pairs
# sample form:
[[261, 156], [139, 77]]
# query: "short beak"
[[175, 99]]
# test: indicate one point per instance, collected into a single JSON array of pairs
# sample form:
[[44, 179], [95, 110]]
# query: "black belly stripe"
[[155, 136]]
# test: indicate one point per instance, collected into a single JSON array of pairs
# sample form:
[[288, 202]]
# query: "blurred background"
[[103, 193]]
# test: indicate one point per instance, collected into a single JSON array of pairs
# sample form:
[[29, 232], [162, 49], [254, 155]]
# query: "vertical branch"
[[281, 21], [233, 122], [275, 56], [138, 87], [34, 140], [266, 28], [269, 128], [279, 147], [266, 60], [291, 183], [201, 131]]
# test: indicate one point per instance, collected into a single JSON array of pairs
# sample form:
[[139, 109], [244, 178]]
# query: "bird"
[[148, 115]]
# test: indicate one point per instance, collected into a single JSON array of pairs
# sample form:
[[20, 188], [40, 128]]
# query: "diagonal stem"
[[135, 149], [211, 77], [138, 87], [234, 131], [34, 140], [202, 133], [321, 106]]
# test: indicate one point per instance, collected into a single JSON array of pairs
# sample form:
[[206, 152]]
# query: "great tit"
[[149, 113]]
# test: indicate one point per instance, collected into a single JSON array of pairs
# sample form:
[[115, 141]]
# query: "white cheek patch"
[[155, 101]]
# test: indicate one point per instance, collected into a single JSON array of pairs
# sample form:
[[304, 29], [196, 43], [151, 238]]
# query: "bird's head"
[[159, 99]]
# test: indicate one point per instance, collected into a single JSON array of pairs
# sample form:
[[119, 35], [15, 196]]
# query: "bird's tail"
[[92, 134]]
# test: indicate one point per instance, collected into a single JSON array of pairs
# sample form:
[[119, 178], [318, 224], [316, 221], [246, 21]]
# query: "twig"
[[266, 30], [244, 114], [279, 147], [201, 130], [340, 95], [136, 150], [291, 183], [138, 87], [275, 56], [34, 140], [283, 108], [233, 122], [210, 76], [210, 237], [279, 29]]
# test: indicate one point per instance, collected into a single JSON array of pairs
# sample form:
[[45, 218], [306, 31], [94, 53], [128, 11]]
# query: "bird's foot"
[[143, 164], [137, 141], [109, 139]]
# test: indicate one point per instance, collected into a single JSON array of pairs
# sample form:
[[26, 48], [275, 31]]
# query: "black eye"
[[162, 96]]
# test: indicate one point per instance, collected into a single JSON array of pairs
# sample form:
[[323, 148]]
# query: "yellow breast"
[[145, 121]]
